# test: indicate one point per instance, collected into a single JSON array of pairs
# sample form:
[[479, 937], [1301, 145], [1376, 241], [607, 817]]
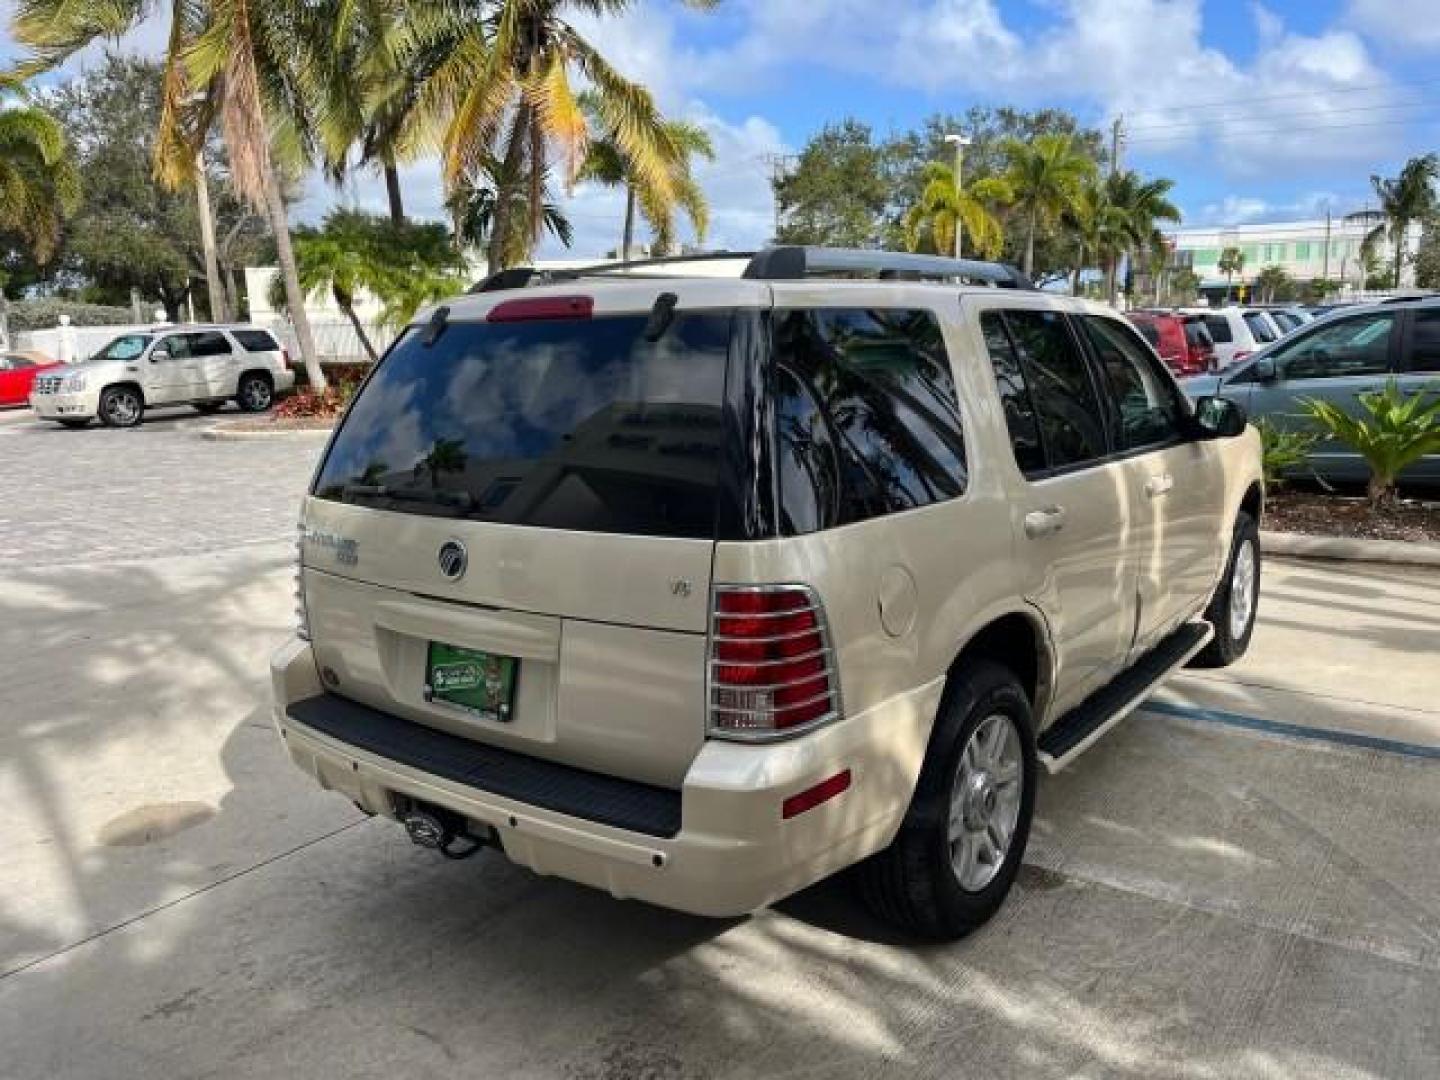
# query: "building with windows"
[[1304, 249]]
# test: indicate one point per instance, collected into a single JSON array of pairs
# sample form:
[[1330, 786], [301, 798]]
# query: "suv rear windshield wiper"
[[460, 500]]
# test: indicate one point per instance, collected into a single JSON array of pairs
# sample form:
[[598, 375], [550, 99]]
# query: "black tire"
[[76, 422], [208, 408], [913, 883], [1230, 643], [256, 392], [121, 407]]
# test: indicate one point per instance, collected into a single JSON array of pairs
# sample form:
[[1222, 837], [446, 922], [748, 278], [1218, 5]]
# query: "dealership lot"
[[1240, 880]]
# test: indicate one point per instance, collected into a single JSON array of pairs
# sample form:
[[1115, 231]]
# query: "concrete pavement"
[[1200, 901]]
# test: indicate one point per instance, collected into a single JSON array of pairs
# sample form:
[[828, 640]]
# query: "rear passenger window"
[[1066, 406], [1144, 411], [208, 343], [1014, 395], [255, 341], [1425, 342], [1219, 327], [867, 418]]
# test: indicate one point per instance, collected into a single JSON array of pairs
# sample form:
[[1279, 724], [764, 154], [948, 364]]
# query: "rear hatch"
[[510, 537]]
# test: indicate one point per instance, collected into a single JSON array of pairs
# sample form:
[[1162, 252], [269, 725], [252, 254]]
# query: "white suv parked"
[[701, 590], [203, 366]]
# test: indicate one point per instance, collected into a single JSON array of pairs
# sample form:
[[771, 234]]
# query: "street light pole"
[[960, 142]]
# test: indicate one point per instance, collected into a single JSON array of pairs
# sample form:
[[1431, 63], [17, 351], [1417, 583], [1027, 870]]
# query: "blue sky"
[[1259, 111]]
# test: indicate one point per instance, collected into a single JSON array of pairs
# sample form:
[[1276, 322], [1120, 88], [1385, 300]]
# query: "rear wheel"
[[255, 392], [955, 858], [121, 407], [1232, 608]]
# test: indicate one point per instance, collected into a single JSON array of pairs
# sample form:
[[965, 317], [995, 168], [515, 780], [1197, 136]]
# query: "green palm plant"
[[1282, 450], [227, 61], [39, 185], [1404, 199], [1142, 203], [1045, 175], [1397, 430], [1232, 262], [943, 208], [1098, 226], [504, 91], [606, 163], [479, 202]]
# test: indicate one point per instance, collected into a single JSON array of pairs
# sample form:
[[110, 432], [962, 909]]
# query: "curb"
[[223, 434], [1396, 552]]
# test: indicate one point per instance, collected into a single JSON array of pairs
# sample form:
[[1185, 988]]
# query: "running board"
[[1074, 733]]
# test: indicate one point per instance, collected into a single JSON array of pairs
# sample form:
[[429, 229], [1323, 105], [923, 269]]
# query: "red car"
[[17, 372], [1182, 341]]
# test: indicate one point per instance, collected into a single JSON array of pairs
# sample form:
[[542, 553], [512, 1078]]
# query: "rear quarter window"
[[1219, 327], [867, 417], [255, 340]]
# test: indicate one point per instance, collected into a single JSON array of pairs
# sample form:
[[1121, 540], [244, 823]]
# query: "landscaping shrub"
[[1399, 431], [44, 314], [306, 404], [1283, 451]]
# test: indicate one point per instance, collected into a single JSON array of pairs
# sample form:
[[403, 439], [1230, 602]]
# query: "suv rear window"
[[255, 340], [583, 425], [1219, 327]]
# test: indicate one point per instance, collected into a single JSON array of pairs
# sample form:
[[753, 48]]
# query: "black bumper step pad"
[[606, 800]]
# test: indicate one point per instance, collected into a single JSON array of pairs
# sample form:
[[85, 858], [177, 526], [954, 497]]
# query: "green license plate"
[[479, 682]]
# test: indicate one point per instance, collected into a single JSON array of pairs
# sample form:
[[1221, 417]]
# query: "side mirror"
[[1265, 369], [158, 355], [1219, 418]]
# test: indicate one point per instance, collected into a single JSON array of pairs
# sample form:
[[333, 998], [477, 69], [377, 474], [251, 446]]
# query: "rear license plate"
[[478, 682]]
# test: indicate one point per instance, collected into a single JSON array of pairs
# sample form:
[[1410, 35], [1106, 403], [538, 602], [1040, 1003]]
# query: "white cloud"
[[1395, 22], [1249, 209]]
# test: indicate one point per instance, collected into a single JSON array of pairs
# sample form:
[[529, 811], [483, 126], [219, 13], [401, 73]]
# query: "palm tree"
[[1407, 198], [606, 163], [1141, 203], [1045, 175], [943, 208], [504, 92], [39, 186], [479, 202], [1098, 226], [226, 60], [1232, 262]]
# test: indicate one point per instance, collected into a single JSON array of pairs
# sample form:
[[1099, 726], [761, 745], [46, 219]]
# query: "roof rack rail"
[[792, 263]]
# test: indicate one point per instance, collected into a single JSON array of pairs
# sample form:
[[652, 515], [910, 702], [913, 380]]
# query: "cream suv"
[[203, 366], [700, 589]]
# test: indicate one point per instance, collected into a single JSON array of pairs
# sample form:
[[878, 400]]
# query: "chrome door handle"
[[1044, 522], [1159, 485]]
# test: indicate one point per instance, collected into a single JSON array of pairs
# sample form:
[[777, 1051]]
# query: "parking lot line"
[[1296, 731]]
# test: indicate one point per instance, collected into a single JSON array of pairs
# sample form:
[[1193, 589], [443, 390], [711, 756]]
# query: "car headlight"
[[74, 383]]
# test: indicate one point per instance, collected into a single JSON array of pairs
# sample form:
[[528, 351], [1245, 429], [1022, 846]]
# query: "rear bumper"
[[732, 853]]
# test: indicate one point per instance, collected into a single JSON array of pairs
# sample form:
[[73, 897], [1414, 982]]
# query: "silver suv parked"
[[204, 366], [700, 589]]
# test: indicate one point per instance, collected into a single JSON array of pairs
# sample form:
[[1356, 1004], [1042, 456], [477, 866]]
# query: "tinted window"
[[1060, 387], [1259, 326], [1143, 407], [1359, 345], [1148, 331], [866, 416], [124, 348], [1197, 334], [580, 425], [1014, 395], [1219, 327], [255, 340], [208, 343], [1425, 342]]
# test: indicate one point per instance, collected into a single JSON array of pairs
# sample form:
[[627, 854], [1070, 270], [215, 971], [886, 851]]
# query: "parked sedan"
[[17, 374], [1336, 359]]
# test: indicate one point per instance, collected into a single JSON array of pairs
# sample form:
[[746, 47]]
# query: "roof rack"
[[790, 263]]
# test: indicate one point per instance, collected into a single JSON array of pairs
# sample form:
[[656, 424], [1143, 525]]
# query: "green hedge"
[[45, 314]]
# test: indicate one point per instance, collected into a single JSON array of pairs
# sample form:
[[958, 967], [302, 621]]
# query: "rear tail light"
[[302, 614], [285, 358], [772, 672]]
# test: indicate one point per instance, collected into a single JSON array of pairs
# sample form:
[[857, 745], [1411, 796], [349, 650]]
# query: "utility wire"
[[1237, 103], [1244, 119]]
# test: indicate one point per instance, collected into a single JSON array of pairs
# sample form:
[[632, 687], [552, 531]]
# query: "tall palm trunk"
[[216, 289], [1030, 226], [627, 238], [505, 189], [290, 275], [392, 192], [346, 303], [1402, 235]]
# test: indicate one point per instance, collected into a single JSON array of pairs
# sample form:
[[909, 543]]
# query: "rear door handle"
[[1159, 485], [1044, 522]]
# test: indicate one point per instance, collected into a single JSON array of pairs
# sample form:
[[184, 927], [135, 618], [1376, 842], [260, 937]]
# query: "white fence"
[[71, 343]]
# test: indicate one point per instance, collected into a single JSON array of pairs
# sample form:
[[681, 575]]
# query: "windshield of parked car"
[[126, 347]]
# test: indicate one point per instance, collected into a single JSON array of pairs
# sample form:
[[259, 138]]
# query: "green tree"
[[1141, 202], [607, 164], [943, 207], [1397, 431], [231, 62], [503, 91], [1184, 286], [479, 202], [1045, 176], [1232, 262], [39, 184], [1272, 282], [838, 192], [1427, 258], [402, 265], [1097, 225], [1404, 199]]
